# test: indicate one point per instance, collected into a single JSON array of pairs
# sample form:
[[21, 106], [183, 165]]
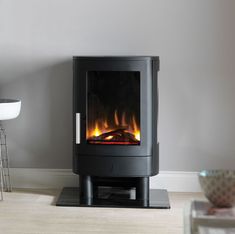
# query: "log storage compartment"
[[115, 145]]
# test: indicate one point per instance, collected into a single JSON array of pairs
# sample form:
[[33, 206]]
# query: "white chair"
[[9, 109]]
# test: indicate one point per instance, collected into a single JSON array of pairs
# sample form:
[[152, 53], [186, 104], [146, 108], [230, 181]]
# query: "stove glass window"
[[113, 108]]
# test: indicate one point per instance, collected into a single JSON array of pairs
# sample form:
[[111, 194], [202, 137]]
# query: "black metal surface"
[[142, 189], [123, 58], [113, 166], [118, 160], [86, 189], [116, 198]]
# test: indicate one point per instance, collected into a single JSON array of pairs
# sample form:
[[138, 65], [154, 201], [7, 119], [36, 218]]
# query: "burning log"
[[118, 135]]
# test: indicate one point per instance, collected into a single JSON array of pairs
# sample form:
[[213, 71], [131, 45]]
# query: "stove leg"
[[142, 190], [86, 189]]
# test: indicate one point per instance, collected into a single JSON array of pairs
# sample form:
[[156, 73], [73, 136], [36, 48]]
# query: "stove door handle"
[[78, 125]]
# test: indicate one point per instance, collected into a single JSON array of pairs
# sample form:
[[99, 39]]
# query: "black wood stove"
[[115, 145]]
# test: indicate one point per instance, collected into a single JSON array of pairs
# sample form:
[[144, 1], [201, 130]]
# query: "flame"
[[136, 129], [134, 123], [124, 119], [108, 137], [137, 135], [96, 131], [106, 123], [126, 122], [116, 118]]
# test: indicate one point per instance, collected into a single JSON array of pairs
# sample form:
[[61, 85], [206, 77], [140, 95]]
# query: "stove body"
[[115, 117]]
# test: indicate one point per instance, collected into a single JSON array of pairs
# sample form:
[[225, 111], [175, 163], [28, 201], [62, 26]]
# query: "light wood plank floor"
[[34, 212]]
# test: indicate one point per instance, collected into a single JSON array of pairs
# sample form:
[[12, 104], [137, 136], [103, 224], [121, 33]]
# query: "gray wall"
[[195, 40]]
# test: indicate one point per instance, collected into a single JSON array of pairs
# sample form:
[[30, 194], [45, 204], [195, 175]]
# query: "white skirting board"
[[173, 181]]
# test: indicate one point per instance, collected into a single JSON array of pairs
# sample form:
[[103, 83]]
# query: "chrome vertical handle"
[[78, 120]]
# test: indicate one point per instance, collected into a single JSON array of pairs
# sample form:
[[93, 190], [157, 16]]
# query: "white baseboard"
[[174, 181]]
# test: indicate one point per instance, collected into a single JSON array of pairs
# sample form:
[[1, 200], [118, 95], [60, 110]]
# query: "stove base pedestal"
[[116, 198]]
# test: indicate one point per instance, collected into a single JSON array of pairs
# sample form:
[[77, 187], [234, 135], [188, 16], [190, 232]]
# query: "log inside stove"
[[118, 135]]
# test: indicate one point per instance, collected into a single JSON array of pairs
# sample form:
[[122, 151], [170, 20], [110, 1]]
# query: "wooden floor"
[[34, 212]]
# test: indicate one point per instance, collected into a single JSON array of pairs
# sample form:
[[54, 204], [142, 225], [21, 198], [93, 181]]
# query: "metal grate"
[[4, 165]]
